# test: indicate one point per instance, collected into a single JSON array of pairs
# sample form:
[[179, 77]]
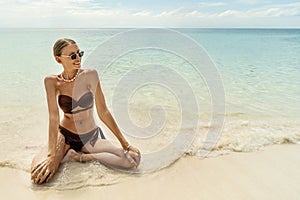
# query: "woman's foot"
[[71, 156]]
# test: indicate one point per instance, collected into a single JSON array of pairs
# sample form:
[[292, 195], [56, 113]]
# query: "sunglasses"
[[73, 56]]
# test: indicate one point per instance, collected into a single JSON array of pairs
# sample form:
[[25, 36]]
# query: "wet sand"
[[273, 173]]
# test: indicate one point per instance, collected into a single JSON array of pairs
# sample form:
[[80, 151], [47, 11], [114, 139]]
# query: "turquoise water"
[[259, 69]]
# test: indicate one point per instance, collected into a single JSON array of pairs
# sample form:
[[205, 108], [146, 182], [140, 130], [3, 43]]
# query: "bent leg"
[[109, 159], [108, 154]]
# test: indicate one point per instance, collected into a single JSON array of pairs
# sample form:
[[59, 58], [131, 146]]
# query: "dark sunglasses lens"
[[73, 56], [81, 53]]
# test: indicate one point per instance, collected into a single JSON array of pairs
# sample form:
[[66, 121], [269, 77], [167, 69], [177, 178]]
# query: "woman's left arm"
[[105, 116]]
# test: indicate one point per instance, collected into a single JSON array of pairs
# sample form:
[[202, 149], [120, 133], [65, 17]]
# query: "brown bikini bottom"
[[77, 141]]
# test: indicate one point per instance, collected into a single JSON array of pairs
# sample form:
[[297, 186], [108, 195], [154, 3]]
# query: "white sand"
[[270, 174]]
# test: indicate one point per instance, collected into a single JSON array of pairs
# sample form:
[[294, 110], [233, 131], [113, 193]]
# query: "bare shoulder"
[[91, 74], [91, 78], [50, 80]]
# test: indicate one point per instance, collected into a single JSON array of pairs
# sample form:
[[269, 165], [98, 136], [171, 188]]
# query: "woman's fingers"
[[135, 150], [43, 172], [128, 156], [43, 178], [49, 176], [39, 175], [131, 159], [43, 175], [37, 170], [38, 166], [138, 159], [137, 154]]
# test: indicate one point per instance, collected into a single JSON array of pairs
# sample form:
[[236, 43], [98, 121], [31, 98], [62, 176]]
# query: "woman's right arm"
[[50, 86], [47, 168]]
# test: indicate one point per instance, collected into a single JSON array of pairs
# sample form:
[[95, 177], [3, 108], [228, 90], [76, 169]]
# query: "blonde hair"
[[60, 44]]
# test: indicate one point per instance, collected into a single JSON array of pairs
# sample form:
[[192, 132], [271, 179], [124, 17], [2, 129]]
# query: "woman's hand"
[[44, 171], [134, 154]]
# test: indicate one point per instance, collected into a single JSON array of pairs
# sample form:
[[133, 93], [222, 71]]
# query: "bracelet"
[[127, 149], [80, 158]]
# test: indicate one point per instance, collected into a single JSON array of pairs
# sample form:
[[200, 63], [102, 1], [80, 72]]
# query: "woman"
[[75, 138]]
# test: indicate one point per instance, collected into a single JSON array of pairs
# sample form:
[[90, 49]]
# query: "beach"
[[207, 91], [269, 174], [224, 128]]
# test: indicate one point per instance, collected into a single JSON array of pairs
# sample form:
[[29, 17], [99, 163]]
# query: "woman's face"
[[66, 59]]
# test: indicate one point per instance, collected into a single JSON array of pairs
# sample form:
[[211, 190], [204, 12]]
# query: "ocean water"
[[245, 98]]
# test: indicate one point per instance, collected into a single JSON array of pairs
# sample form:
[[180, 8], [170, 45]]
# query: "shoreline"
[[272, 173]]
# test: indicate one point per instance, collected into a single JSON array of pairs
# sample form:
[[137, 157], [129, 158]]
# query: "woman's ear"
[[57, 58]]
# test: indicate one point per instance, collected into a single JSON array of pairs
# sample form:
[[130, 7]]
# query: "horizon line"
[[150, 28]]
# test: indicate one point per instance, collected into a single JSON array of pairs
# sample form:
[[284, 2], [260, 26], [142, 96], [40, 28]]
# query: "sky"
[[149, 13]]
